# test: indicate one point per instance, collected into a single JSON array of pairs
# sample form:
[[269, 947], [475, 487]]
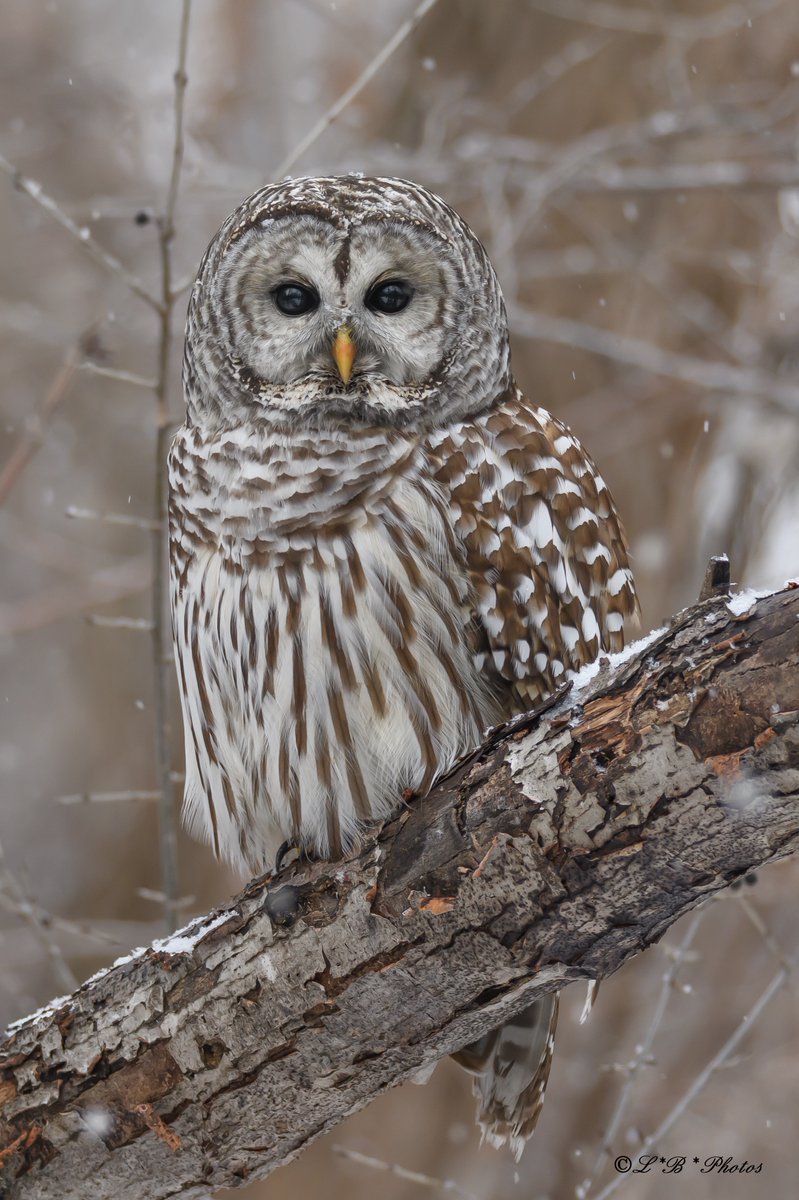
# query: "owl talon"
[[282, 855]]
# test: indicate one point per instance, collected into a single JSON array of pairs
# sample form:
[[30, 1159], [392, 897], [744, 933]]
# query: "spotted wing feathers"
[[546, 552]]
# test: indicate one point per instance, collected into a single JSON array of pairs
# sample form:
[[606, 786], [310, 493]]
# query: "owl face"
[[293, 286], [346, 300]]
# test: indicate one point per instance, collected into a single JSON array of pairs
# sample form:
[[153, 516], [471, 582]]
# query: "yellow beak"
[[344, 353]]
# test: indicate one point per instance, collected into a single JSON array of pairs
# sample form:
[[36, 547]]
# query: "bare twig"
[[32, 440], [103, 586], [633, 352], [90, 514], [139, 624], [564, 164], [567, 161], [755, 919], [157, 897], [167, 814], [691, 307], [36, 193], [683, 177], [644, 1048], [48, 548], [346, 98], [427, 1181], [139, 381], [38, 920], [554, 68], [30, 322], [628, 19], [181, 80], [703, 1078], [47, 921], [107, 797]]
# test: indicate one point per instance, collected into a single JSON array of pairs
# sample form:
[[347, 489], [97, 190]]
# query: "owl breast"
[[322, 613]]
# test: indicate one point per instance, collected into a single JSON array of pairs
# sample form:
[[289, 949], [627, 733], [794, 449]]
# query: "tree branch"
[[561, 848]]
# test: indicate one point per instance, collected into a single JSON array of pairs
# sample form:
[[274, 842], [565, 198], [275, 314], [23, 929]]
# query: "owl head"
[[344, 300]]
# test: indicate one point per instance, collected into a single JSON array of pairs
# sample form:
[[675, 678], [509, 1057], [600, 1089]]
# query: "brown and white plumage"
[[369, 570]]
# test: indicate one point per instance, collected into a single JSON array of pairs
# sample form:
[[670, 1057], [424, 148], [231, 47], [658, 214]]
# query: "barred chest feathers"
[[326, 654]]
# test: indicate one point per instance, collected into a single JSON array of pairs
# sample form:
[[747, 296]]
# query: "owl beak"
[[344, 353]]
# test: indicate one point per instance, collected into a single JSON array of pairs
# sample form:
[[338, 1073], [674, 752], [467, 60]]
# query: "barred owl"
[[378, 546]]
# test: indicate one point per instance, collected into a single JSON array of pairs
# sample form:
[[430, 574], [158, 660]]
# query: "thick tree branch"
[[557, 852]]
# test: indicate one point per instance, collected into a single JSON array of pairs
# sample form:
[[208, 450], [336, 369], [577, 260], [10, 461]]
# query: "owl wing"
[[551, 586], [545, 549]]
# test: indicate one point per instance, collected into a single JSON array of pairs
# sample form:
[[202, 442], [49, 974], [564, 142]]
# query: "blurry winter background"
[[632, 168]]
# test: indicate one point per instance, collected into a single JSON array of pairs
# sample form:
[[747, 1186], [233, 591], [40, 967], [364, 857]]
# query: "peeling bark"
[[557, 851]]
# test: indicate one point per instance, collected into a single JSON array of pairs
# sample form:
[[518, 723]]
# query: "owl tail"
[[511, 1066]]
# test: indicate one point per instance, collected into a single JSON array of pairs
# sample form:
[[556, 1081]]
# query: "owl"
[[379, 547]]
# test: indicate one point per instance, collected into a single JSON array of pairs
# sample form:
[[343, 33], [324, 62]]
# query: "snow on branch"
[[568, 843]]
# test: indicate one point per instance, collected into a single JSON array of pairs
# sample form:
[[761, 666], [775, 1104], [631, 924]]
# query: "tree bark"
[[562, 847]]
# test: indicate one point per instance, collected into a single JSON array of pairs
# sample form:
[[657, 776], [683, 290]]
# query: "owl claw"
[[283, 853], [286, 850]]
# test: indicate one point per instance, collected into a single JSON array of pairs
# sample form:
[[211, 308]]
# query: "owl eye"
[[390, 296], [294, 299]]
